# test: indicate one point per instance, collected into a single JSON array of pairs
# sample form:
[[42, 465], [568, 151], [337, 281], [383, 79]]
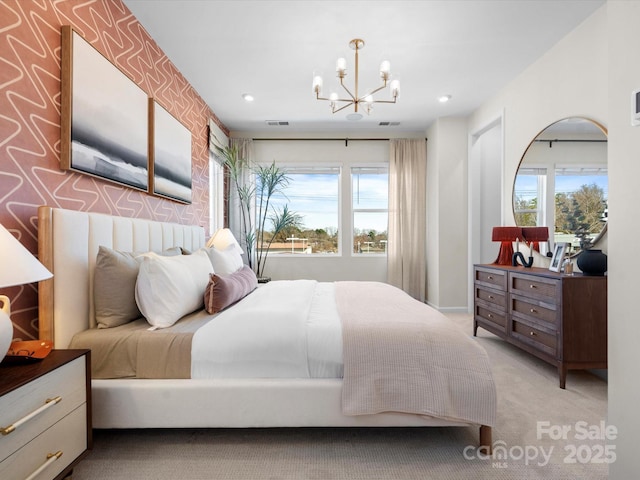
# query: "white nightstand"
[[45, 415]]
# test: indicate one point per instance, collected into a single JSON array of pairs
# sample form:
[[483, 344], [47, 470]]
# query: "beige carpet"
[[527, 393]]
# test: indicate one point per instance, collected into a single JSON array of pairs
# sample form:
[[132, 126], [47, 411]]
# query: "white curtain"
[[245, 150], [406, 254]]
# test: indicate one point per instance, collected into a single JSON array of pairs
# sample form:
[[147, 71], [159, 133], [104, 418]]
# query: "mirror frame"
[[513, 189]]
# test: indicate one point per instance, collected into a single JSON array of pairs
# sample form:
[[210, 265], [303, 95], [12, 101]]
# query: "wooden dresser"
[[562, 319], [45, 415]]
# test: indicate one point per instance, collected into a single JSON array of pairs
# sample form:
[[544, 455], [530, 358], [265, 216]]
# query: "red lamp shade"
[[533, 235], [506, 236]]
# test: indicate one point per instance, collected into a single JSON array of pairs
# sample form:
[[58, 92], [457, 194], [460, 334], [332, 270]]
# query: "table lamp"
[[222, 239], [17, 267], [535, 235], [506, 236]]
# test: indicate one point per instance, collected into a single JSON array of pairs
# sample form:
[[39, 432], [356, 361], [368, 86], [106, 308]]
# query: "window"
[[529, 197], [313, 194], [576, 204], [216, 193], [369, 206]]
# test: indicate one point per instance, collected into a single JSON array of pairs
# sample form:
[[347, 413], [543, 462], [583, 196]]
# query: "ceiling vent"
[[389, 124], [276, 123]]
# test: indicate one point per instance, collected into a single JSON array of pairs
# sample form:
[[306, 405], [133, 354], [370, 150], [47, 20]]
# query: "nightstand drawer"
[[68, 382], [68, 436], [535, 337], [493, 297]]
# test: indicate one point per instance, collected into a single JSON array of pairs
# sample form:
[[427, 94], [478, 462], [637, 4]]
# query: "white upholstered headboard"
[[68, 244]]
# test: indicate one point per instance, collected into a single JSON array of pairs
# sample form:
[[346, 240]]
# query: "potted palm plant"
[[253, 187]]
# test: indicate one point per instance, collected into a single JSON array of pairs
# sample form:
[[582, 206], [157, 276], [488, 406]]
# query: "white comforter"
[[284, 329]]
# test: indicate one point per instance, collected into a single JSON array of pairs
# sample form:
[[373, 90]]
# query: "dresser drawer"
[[67, 438], [545, 289], [534, 310], [491, 278], [496, 317], [535, 337], [67, 382], [496, 298]]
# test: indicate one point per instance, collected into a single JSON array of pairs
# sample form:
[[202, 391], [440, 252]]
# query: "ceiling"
[[469, 49]]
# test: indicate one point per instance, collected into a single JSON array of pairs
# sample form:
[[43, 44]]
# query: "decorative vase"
[[592, 262], [6, 327]]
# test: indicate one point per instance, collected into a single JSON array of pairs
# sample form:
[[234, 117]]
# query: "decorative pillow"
[[223, 291], [168, 288], [225, 261], [114, 285]]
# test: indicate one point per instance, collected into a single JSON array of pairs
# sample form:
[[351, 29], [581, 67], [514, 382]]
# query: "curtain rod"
[[346, 140]]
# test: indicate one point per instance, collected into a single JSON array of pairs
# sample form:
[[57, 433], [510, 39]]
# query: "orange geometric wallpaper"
[[30, 173]]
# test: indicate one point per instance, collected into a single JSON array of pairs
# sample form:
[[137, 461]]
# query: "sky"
[[315, 197]]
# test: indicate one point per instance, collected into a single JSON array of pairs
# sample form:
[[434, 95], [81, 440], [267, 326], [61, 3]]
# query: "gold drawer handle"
[[489, 277], [533, 286], [490, 315], [533, 334], [490, 297], [533, 310], [50, 402], [51, 457]]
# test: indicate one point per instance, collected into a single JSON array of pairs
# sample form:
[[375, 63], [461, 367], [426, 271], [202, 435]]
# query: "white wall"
[[624, 229], [591, 73], [447, 214]]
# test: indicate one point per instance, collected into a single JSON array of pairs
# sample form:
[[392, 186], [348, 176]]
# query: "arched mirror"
[[562, 183]]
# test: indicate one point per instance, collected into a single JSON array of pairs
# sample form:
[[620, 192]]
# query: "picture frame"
[[104, 127], [170, 155], [558, 255]]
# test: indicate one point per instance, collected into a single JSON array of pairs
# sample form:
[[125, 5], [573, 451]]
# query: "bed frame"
[[68, 243]]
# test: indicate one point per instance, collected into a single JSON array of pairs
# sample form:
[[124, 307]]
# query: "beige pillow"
[[168, 288], [114, 285]]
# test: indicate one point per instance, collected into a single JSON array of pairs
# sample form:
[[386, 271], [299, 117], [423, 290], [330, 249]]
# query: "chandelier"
[[354, 98]]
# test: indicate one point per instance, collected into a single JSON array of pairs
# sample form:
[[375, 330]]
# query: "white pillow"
[[225, 261], [169, 288]]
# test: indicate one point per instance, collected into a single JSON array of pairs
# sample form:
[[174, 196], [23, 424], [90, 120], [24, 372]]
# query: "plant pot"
[[592, 262]]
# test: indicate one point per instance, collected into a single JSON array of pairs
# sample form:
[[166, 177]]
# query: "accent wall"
[[30, 98]]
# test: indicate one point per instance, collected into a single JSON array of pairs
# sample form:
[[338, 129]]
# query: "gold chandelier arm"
[[335, 110], [384, 101], [353, 98]]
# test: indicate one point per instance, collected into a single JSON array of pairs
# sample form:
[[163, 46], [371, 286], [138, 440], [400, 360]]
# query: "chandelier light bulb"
[[317, 84], [395, 88], [385, 69], [341, 65]]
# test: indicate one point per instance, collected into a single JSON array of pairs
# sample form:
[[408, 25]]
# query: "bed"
[[69, 242]]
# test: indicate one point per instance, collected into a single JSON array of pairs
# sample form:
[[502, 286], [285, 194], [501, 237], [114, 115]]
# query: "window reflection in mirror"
[[563, 181]]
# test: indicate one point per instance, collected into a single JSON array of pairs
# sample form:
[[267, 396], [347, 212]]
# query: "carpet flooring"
[[543, 432]]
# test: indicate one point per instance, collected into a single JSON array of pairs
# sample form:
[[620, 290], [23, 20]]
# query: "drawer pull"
[[489, 315], [490, 297], [533, 286], [533, 310], [489, 277], [50, 402], [533, 334], [51, 457]]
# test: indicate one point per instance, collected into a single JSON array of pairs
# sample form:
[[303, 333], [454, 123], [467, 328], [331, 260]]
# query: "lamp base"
[[6, 328]]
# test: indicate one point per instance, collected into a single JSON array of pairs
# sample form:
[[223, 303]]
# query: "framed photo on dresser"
[[558, 255]]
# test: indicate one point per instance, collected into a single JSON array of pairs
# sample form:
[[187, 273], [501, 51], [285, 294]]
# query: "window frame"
[[353, 211]]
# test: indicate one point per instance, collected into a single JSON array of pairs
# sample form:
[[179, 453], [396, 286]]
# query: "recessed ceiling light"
[[354, 117], [444, 98], [247, 97]]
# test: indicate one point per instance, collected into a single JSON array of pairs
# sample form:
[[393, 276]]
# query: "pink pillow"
[[226, 290]]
